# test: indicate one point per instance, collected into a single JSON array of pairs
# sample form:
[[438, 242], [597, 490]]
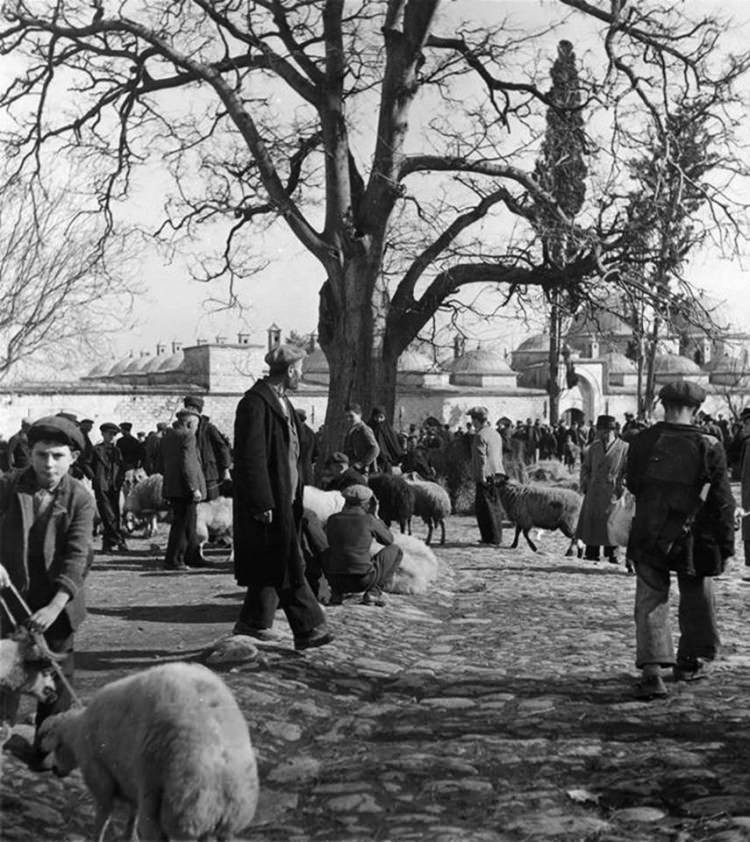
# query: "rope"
[[39, 640]]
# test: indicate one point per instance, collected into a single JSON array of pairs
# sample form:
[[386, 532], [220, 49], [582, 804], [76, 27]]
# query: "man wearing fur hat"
[[268, 558], [684, 522], [601, 483], [213, 448]]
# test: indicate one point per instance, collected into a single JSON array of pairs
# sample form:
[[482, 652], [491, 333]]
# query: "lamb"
[[431, 503], [25, 667], [172, 743], [145, 504], [418, 568], [537, 505], [214, 520], [322, 503], [395, 499]]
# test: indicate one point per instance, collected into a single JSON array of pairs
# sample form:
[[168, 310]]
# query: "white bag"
[[620, 520]]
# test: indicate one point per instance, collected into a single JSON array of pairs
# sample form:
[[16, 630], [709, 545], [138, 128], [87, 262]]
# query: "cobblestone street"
[[497, 707]]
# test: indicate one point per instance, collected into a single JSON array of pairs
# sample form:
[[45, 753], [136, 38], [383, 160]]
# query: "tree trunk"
[[553, 386], [650, 389]]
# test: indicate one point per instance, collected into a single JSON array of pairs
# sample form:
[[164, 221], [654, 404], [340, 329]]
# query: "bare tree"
[[57, 294], [264, 111]]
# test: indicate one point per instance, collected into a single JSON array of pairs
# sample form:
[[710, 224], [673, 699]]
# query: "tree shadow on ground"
[[208, 612]]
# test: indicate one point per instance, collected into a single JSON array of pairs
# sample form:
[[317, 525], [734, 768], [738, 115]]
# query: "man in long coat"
[[602, 477], [745, 480], [109, 475], [486, 464], [268, 559], [213, 449]]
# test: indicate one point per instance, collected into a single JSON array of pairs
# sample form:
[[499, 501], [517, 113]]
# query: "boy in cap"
[[359, 441], [342, 474], [109, 475], [684, 522], [601, 483], [268, 557], [46, 545], [347, 563]]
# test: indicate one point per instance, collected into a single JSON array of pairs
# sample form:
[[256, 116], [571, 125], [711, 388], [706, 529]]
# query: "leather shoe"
[[689, 669], [650, 687], [266, 635], [317, 637]]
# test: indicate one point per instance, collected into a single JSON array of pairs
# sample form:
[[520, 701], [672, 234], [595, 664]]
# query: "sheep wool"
[[545, 508], [395, 499], [431, 503], [171, 742], [322, 503]]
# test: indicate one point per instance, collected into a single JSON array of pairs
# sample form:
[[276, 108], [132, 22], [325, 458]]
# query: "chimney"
[[459, 346], [243, 338], [176, 346], [201, 341], [161, 349], [274, 336], [221, 340], [145, 353]]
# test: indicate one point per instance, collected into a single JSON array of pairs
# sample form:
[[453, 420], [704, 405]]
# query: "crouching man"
[[347, 563], [46, 545]]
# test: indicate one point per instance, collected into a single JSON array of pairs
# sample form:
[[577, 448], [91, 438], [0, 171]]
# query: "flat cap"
[[479, 412], [356, 493], [340, 457], [605, 422], [301, 414], [682, 393], [284, 355], [195, 401], [57, 429], [87, 421], [109, 427], [188, 411], [126, 425], [161, 425]]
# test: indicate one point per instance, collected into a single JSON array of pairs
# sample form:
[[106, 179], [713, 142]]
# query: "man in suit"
[[184, 486], [109, 475]]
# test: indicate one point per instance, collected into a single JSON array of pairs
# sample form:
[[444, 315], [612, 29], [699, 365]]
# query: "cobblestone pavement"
[[497, 707]]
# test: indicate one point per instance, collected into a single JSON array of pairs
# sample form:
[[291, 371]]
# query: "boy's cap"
[[109, 427], [682, 393], [188, 411], [356, 493], [56, 429], [126, 425], [195, 401]]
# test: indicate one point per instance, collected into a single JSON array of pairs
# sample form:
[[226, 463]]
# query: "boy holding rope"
[[46, 549]]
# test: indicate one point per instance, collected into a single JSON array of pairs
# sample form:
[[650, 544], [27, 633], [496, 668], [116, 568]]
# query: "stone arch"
[[585, 397]]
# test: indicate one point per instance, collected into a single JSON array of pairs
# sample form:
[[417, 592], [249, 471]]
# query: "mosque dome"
[[153, 363], [537, 342], [133, 366], [99, 370], [119, 367], [415, 361], [480, 361], [315, 362], [675, 364], [619, 363], [172, 362]]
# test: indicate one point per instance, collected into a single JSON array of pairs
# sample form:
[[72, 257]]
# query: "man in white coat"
[[602, 483], [486, 463]]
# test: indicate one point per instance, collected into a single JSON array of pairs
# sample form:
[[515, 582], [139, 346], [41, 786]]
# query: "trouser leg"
[[110, 536], [302, 609], [592, 552], [259, 607], [489, 513], [652, 634], [177, 541], [699, 633], [747, 553], [386, 563]]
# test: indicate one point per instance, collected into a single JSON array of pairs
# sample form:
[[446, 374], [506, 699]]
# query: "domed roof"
[[675, 364], [728, 364], [315, 362], [172, 362], [537, 342], [120, 366], [481, 361], [99, 370], [600, 323], [153, 363], [133, 366], [414, 361], [619, 363]]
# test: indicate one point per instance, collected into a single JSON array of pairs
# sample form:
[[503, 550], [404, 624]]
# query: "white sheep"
[[431, 503], [144, 504], [214, 520], [418, 568], [540, 506], [169, 741], [322, 503]]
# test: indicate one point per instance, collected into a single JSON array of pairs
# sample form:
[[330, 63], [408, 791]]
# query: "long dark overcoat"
[[265, 554]]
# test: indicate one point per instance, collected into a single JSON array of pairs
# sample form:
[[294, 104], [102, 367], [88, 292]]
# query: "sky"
[[170, 306]]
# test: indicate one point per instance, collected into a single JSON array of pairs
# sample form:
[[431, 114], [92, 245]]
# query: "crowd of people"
[[684, 517]]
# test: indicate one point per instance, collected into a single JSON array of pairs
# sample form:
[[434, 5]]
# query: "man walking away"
[[184, 487], [602, 476], [684, 521], [109, 475], [213, 449], [486, 463], [268, 558]]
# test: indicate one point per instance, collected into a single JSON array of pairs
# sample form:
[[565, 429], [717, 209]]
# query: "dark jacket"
[[182, 467], [68, 542], [308, 454], [265, 554], [132, 451], [106, 462], [350, 533], [668, 465], [213, 449], [343, 480], [360, 446], [18, 451]]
